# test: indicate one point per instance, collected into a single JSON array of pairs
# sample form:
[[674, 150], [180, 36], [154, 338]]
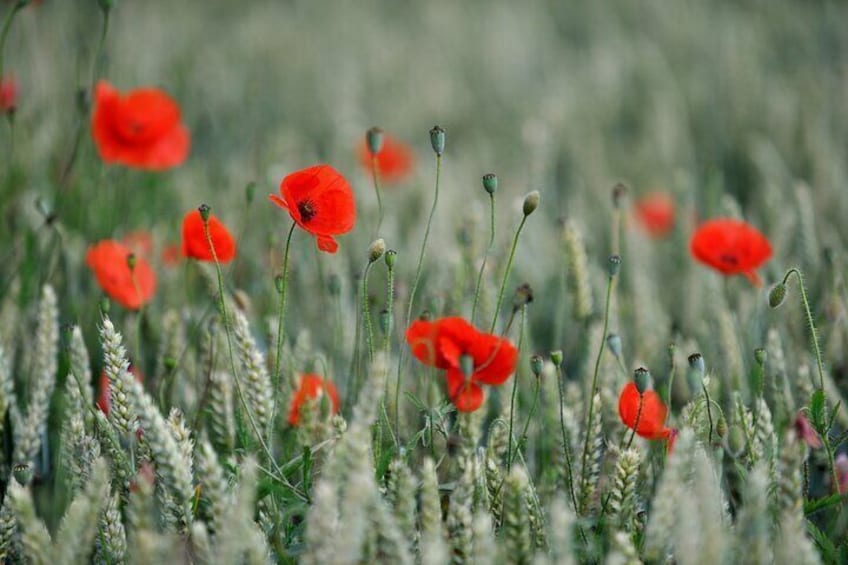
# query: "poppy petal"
[[422, 338], [195, 241], [327, 244], [466, 395]]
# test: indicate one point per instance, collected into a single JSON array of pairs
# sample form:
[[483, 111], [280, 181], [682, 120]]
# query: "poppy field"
[[436, 282]]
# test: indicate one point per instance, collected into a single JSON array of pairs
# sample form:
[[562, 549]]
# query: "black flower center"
[[307, 210], [729, 259]]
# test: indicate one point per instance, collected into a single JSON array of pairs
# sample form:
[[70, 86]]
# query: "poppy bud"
[[618, 193], [437, 140], [466, 363], [735, 440], [777, 295], [613, 265], [390, 258], [385, 321], [374, 139], [696, 363], [105, 305], [170, 363], [490, 183], [83, 101], [536, 364], [556, 357], [760, 356], [131, 261], [250, 192], [531, 202], [334, 284], [523, 296], [614, 344], [376, 249], [279, 283], [205, 211], [642, 378], [106, 5], [425, 316], [22, 473], [721, 426]]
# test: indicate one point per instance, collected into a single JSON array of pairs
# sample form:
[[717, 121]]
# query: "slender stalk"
[[366, 313], [7, 25], [709, 411], [506, 273], [485, 256], [390, 305], [281, 318], [566, 443], [414, 289], [584, 458], [515, 390], [376, 178], [523, 438]]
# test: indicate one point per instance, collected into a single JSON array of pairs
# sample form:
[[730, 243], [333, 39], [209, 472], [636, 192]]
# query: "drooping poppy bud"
[[777, 295]]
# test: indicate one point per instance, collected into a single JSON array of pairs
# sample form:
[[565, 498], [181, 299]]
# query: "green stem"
[[281, 319], [709, 411], [7, 25], [375, 176], [587, 430], [636, 424], [514, 391], [506, 274], [485, 256], [390, 305], [366, 313], [523, 438], [414, 289], [566, 443]]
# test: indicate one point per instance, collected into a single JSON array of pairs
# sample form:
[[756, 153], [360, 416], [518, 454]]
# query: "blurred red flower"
[[312, 387], [731, 247], [394, 161], [131, 288], [140, 242], [195, 244], [655, 212], [171, 255], [470, 357], [140, 129], [320, 201], [8, 94], [651, 419]]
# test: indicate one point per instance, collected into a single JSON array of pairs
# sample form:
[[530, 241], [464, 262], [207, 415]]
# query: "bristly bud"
[[437, 140], [760, 356], [523, 296], [22, 473], [279, 283], [131, 261], [205, 211], [613, 265], [536, 364], [250, 192], [374, 139], [556, 357], [376, 249], [614, 344], [490, 183], [696, 363], [390, 258], [777, 295], [531, 202], [618, 193], [642, 378], [721, 426]]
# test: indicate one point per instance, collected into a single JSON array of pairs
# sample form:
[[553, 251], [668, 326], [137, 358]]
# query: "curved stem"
[[375, 176], [506, 273], [7, 25], [514, 392], [281, 318], [366, 313], [523, 438], [566, 442], [485, 256]]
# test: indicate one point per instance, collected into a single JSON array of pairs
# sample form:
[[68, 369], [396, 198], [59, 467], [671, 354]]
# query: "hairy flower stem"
[[825, 436], [376, 178], [523, 438], [413, 291], [281, 319], [222, 305], [7, 25], [506, 274], [485, 256], [366, 313], [585, 457], [566, 443], [515, 389], [390, 307]]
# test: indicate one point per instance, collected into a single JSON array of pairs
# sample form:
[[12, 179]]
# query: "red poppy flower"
[[651, 419], [171, 255], [131, 288], [8, 94], [731, 247], [312, 387], [470, 357], [655, 212], [195, 244], [104, 395], [140, 242], [320, 201], [141, 129], [394, 161]]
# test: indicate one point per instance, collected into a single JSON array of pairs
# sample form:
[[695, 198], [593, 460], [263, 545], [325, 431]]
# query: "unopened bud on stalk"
[[131, 261], [22, 473], [777, 295], [523, 296], [425, 316], [536, 364], [376, 249], [618, 193], [374, 139], [204, 210], [614, 344], [642, 378], [106, 5], [556, 357], [279, 283], [437, 140], [696, 363], [613, 265], [490, 183], [390, 258], [105, 306], [531, 202], [760, 356]]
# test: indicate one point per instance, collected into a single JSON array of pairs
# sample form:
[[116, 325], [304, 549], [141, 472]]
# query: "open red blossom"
[[131, 288], [312, 387], [731, 247], [196, 245], [140, 129], [649, 421], [469, 357], [8, 94], [394, 161], [655, 212], [320, 201]]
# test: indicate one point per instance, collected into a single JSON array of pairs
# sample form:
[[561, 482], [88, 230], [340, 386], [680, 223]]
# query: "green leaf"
[[833, 414], [811, 506], [817, 410], [828, 550]]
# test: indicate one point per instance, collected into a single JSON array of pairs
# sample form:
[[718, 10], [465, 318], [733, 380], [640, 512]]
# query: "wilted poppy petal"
[[312, 387], [327, 244], [465, 394]]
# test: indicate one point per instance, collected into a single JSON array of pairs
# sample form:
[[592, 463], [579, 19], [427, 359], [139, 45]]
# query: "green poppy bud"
[[205, 211], [374, 139], [642, 378], [614, 344], [777, 295], [760, 356], [22, 473], [556, 357], [696, 363], [385, 321], [437, 140], [390, 258], [536, 364], [531, 202], [613, 265], [523, 296], [490, 183]]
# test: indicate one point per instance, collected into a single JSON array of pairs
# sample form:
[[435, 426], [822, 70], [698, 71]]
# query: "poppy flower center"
[[307, 210], [729, 259]]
